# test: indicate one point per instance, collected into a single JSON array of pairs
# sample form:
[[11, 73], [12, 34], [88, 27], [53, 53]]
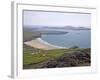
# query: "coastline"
[[41, 44]]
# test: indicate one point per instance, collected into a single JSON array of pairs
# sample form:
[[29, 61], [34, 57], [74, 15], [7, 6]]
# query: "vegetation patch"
[[72, 57]]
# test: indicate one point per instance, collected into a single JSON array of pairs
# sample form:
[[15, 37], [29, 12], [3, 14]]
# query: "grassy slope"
[[36, 58], [27, 36], [33, 55]]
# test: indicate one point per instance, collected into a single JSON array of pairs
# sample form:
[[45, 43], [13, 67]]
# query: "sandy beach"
[[41, 44]]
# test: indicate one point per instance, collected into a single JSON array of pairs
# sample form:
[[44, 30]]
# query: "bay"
[[79, 38]]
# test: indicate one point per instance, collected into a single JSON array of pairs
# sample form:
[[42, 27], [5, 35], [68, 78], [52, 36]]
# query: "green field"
[[36, 58]]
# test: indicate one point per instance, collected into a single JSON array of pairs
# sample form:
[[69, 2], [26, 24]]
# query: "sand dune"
[[41, 44]]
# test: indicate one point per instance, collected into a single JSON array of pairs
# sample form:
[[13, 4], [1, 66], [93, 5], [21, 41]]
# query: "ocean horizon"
[[72, 38]]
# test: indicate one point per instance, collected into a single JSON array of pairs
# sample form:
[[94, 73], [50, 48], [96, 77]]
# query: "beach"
[[41, 44]]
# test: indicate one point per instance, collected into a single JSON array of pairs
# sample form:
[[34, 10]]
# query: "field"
[[36, 58]]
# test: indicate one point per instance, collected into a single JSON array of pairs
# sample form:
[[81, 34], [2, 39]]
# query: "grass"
[[33, 56], [40, 55], [27, 35], [33, 59]]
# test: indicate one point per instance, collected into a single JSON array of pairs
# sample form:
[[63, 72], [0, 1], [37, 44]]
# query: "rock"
[[74, 47]]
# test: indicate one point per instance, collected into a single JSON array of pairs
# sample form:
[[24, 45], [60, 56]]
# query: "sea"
[[74, 38]]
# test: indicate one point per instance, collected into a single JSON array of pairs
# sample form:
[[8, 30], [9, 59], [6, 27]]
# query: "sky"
[[56, 19]]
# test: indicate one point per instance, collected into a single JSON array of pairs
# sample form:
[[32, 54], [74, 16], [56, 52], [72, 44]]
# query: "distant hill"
[[76, 28], [55, 27]]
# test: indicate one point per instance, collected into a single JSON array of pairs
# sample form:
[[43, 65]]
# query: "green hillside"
[[37, 58]]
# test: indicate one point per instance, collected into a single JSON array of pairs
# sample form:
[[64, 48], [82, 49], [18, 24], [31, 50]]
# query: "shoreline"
[[41, 44]]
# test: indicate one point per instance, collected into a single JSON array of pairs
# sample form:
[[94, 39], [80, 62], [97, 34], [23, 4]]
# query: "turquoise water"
[[80, 38]]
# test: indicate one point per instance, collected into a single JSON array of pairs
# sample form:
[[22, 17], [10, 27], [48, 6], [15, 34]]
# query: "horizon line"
[[56, 26]]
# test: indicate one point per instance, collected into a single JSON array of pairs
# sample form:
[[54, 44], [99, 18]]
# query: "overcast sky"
[[57, 19]]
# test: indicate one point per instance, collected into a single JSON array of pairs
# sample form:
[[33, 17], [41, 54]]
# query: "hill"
[[35, 58]]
